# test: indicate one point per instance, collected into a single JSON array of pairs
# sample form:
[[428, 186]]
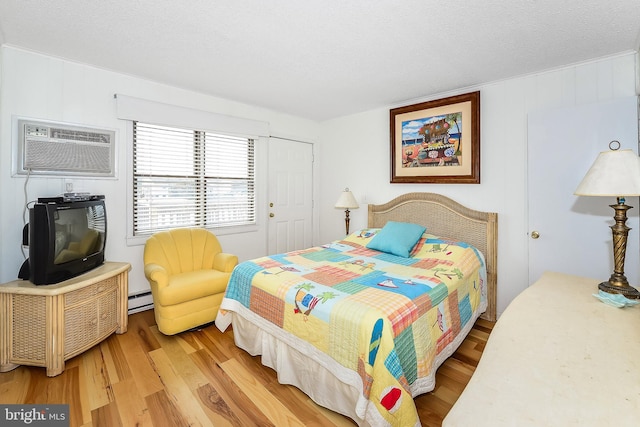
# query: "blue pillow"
[[397, 238]]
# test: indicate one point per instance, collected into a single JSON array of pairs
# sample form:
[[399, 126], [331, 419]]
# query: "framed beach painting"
[[437, 141]]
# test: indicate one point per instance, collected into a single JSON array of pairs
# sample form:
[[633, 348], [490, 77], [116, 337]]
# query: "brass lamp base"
[[617, 283], [625, 290], [346, 220]]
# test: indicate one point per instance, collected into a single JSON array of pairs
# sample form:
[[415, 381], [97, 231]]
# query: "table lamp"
[[346, 201], [615, 173]]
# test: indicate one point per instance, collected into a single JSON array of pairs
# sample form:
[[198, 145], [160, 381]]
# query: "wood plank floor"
[[200, 378]]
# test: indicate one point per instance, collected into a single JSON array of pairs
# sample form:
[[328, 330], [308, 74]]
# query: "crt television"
[[65, 239]]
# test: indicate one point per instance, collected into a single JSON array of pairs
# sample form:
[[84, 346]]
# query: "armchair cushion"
[[193, 285]]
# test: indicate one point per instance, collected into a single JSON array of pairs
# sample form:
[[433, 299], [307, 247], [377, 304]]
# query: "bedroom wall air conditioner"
[[56, 148]]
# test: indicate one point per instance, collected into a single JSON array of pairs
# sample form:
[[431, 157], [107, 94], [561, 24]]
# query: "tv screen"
[[65, 240], [79, 232]]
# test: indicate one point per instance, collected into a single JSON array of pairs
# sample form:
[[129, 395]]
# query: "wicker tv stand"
[[47, 325]]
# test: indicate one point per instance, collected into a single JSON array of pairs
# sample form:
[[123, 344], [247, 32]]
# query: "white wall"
[[43, 87], [351, 151], [354, 152]]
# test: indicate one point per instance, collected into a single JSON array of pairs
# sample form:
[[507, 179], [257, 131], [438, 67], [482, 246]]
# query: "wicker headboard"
[[447, 218]]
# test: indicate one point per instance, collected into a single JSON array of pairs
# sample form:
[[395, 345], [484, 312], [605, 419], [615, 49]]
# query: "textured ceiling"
[[321, 59]]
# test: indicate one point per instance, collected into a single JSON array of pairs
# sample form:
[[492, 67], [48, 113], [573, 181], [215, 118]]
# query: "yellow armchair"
[[188, 274]]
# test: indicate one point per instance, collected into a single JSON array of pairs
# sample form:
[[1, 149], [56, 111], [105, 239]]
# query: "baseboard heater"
[[140, 302]]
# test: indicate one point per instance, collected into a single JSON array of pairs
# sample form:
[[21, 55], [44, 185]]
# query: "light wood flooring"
[[200, 378]]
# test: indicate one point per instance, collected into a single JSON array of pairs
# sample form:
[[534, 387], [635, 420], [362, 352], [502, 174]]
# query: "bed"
[[361, 326]]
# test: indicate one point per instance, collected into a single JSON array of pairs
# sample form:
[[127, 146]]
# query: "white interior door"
[[575, 237], [290, 195]]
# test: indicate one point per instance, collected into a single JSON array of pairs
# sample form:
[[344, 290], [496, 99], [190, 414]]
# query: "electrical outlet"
[[69, 187]]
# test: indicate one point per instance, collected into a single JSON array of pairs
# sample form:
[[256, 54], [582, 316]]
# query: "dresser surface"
[[557, 356]]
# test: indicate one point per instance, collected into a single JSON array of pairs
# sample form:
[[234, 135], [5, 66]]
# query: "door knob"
[[271, 215], [535, 234]]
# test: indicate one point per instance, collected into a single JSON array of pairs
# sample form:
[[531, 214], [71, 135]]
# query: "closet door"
[[574, 234], [290, 195]]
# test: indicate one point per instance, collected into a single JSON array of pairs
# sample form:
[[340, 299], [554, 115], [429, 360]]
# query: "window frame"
[[136, 237]]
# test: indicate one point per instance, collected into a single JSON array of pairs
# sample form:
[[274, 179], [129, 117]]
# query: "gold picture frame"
[[437, 141]]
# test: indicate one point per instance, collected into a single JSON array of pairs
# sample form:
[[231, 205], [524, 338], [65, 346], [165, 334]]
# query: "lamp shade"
[[347, 201], [614, 173]]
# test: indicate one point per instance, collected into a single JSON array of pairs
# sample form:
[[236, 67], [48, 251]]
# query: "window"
[[190, 178]]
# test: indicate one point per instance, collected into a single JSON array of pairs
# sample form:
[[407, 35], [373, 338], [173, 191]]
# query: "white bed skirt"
[[319, 376], [300, 364]]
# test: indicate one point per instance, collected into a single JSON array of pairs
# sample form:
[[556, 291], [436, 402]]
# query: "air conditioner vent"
[[81, 136], [54, 148]]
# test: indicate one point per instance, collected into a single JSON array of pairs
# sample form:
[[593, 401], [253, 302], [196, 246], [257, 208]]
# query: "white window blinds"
[[186, 178]]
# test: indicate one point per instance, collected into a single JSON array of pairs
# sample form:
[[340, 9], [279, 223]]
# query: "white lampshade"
[[347, 201], [614, 173]]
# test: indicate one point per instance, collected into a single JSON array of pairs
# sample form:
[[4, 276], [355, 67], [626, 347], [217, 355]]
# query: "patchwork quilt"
[[391, 319]]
